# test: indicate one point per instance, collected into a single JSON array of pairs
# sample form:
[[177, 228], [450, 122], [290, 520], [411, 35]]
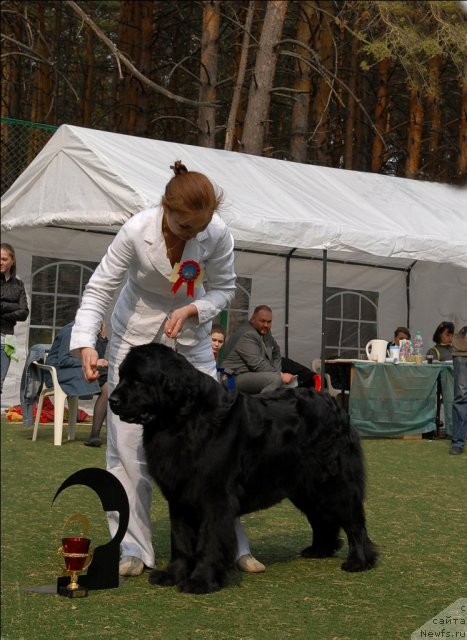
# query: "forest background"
[[369, 86]]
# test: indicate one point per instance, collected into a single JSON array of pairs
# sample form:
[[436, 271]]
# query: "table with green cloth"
[[389, 399]]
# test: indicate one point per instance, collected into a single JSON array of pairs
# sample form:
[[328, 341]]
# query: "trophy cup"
[[77, 555], [104, 559]]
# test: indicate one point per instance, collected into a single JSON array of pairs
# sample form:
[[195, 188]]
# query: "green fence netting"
[[21, 141]]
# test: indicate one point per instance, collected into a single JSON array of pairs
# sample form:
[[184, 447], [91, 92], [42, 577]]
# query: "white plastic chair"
[[316, 366], [59, 406]]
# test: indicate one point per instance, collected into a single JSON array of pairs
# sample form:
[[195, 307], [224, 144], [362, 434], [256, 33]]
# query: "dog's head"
[[155, 381]]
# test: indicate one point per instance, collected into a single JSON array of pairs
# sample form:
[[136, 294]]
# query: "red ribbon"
[[188, 272]]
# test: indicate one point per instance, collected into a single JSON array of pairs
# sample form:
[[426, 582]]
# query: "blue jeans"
[[459, 405], [5, 365]]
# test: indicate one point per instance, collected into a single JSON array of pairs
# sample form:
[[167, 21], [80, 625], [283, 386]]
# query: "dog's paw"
[[361, 559], [315, 551], [352, 565], [198, 585], [161, 578]]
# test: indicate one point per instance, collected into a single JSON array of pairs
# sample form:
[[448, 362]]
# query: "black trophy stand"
[[102, 573]]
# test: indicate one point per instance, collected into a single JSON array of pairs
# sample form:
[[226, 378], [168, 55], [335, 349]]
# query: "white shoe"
[[250, 564], [130, 566]]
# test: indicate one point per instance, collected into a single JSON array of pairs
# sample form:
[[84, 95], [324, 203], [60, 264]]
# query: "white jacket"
[[138, 254]]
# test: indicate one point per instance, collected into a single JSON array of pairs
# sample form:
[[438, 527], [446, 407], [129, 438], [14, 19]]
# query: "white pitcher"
[[376, 350]]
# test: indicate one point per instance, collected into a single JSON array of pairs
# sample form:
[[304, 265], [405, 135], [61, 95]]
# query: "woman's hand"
[[175, 323], [89, 359]]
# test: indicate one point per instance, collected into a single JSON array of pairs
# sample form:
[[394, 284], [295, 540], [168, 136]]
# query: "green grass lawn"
[[416, 510]]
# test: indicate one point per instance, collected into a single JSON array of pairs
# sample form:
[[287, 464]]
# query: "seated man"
[[304, 375], [254, 357], [401, 333]]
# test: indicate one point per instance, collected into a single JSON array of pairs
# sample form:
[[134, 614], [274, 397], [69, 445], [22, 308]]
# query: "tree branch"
[[33, 55], [323, 72], [131, 68]]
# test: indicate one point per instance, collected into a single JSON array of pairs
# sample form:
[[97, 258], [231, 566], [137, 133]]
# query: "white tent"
[[283, 216]]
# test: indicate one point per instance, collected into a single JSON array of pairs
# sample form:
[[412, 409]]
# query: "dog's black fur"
[[217, 454]]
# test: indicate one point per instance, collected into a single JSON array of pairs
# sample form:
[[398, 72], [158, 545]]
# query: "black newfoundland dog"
[[217, 454]]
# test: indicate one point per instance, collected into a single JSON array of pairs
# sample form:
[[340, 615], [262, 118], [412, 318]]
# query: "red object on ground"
[[15, 414]]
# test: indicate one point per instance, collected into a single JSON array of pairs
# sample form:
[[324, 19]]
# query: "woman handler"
[[164, 254]]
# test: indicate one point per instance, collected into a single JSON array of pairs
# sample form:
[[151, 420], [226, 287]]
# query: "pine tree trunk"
[[45, 112], [302, 84], [145, 51], [88, 102], [336, 108], [208, 72], [380, 116], [462, 161], [324, 47], [259, 98], [12, 79], [434, 110], [121, 84], [350, 127], [231, 130], [415, 128], [42, 97], [134, 46]]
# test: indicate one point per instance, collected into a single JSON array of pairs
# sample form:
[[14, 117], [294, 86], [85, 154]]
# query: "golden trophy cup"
[[76, 554]]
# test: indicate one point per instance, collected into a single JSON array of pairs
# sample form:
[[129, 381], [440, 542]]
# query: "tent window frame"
[[357, 349], [45, 332]]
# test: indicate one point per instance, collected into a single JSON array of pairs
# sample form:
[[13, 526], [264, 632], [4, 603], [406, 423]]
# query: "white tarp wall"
[[306, 278], [437, 292]]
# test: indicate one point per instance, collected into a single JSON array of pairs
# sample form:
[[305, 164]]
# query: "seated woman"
[[442, 337], [71, 378], [217, 339]]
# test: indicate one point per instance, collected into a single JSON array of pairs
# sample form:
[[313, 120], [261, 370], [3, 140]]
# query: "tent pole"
[[287, 300], [323, 315], [407, 291]]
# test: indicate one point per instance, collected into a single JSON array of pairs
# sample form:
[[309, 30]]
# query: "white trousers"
[[127, 462]]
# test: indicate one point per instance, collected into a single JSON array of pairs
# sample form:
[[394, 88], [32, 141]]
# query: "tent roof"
[[96, 180]]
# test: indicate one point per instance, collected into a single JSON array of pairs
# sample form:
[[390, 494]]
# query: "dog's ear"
[[172, 382], [212, 396], [173, 387]]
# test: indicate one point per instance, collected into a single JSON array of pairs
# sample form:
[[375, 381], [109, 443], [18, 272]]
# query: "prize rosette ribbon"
[[188, 272]]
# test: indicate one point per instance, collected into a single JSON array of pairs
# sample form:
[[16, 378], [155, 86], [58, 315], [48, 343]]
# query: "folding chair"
[[59, 406], [316, 366]]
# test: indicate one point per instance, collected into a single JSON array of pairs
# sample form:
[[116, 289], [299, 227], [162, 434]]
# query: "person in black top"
[[14, 307], [442, 337]]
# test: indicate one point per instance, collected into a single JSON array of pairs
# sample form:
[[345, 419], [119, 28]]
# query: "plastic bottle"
[[418, 343], [403, 350]]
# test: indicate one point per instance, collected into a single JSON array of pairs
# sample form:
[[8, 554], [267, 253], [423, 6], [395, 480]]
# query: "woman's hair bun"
[[178, 167]]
